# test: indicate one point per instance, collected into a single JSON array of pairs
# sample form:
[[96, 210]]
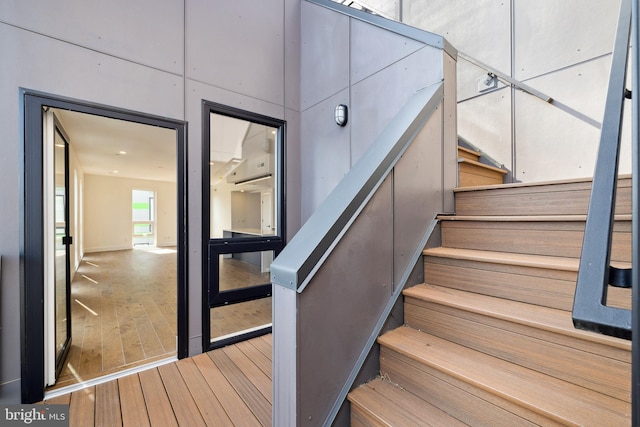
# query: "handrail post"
[[635, 209], [589, 309]]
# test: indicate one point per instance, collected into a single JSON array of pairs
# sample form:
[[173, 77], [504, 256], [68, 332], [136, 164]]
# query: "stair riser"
[[473, 175], [464, 401], [540, 286], [542, 351], [360, 417], [559, 199], [563, 239], [468, 155], [510, 282]]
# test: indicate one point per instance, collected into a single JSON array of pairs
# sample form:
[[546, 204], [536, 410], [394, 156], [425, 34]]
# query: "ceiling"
[[117, 148]]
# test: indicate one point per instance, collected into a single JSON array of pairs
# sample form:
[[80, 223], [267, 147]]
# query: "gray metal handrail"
[[341, 306], [506, 78], [590, 311], [306, 252]]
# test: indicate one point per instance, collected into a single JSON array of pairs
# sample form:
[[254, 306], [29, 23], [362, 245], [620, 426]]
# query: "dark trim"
[[32, 228], [57, 127], [635, 212], [589, 309], [32, 256], [212, 248], [217, 298], [240, 337]]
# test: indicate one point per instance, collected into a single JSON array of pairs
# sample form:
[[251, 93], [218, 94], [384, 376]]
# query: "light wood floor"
[[233, 318], [124, 310], [230, 386]]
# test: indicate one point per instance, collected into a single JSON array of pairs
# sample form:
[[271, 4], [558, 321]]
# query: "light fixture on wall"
[[341, 114], [487, 82]]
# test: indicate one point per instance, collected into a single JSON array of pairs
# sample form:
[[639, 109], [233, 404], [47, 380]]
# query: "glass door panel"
[[229, 320], [243, 177], [243, 220], [62, 268]]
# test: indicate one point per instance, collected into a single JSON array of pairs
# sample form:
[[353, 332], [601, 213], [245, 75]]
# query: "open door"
[[57, 248]]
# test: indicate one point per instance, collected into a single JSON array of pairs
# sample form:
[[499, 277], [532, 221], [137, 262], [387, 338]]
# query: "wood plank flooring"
[[230, 386], [123, 312]]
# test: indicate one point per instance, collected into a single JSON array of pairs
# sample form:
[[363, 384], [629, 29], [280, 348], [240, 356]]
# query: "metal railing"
[[595, 274], [342, 273], [505, 78]]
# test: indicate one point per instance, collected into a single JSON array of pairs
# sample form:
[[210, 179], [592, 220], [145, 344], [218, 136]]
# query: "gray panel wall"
[[338, 67], [155, 57], [562, 48]]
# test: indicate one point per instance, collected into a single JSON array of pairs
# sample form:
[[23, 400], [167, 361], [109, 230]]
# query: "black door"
[[61, 249], [243, 221]]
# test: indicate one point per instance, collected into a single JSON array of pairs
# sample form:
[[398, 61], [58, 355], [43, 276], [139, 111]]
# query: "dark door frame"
[[212, 248], [66, 241], [32, 104]]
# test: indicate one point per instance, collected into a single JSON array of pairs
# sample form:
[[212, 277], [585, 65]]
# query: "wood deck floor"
[[230, 386]]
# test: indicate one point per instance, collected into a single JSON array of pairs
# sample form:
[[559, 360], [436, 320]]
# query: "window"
[[243, 221]]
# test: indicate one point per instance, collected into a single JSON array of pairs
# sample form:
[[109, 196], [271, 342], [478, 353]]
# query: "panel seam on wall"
[[184, 60], [110, 55]]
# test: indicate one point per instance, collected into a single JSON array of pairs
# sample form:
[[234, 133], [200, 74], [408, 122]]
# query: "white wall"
[[155, 57], [562, 48], [107, 212]]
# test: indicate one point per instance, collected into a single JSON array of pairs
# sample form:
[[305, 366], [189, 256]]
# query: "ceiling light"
[[122, 152], [253, 180]]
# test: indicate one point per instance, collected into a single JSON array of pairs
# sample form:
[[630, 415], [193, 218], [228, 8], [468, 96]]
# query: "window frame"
[[212, 248]]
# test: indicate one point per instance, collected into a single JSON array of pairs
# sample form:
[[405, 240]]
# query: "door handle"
[[67, 240]]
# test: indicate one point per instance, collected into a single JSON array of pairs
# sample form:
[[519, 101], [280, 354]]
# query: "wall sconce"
[[341, 115], [487, 82]]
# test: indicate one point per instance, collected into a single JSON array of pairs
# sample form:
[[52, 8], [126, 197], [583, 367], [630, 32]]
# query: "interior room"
[[120, 198]]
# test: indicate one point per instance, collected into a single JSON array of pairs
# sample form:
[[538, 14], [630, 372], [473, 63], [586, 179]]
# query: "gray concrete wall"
[[155, 57], [338, 67], [562, 48]]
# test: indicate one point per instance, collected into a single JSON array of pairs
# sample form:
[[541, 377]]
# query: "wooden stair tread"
[[556, 399], [482, 165], [545, 318], [525, 218], [626, 178], [390, 405], [510, 258], [469, 150]]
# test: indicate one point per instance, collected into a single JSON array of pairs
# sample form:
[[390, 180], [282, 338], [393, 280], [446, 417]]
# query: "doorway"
[[95, 197], [243, 221]]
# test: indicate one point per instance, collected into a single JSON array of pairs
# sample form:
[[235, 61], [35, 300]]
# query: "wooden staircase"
[[472, 172], [488, 338]]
